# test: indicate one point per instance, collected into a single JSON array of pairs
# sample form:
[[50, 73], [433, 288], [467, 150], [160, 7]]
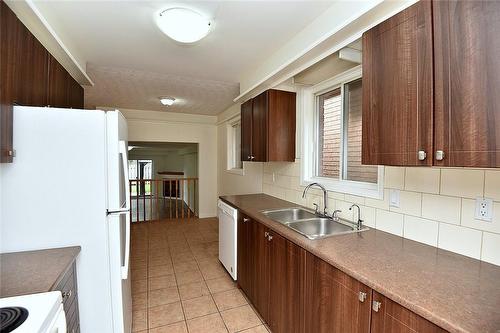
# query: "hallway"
[[178, 284]]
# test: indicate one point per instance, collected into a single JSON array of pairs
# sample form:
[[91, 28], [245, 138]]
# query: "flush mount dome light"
[[167, 100], [183, 25]]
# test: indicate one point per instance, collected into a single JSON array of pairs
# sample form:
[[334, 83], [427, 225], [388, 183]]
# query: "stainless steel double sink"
[[308, 224]]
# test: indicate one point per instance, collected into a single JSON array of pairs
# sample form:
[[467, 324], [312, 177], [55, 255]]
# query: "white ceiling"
[[122, 40]]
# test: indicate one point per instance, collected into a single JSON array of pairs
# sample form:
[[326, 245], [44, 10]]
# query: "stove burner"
[[11, 318]]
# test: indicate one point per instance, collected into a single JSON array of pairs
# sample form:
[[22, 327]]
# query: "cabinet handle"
[[66, 294], [376, 305], [439, 155], [270, 237], [362, 296], [266, 234], [245, 219], [422, 155], [252, 157], [249, 157]]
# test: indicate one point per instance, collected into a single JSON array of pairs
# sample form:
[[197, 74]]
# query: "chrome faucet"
[[335, 215], [360, 221], [325, 195]]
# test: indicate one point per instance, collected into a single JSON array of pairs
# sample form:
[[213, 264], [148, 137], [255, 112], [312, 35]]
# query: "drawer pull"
[[376, 306], [362, 296], [66, 294], [246, 219]]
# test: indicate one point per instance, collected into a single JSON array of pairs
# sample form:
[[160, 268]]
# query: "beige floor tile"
[[140, 301], [240, 318], [220, 284], [182, 257], [213, 271], [185, 266], [161, 282], [160, 261], [257, 329], [189, 277], [139, 286], [229, 299], [165, 314], [163, 296], [208, 324], [198, 307], [179, 327], [193, 290], [160, 270], [139, 320]]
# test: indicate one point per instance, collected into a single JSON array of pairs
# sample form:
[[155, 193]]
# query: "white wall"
[[153, 126], [250, 181]]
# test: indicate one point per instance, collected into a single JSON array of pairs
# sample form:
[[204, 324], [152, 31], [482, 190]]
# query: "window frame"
[[231, 148], [310, 122]]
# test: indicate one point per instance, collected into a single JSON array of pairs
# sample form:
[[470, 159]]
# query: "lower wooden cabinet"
[[390, 317], [296, 292], [334, 301], [68, 288]]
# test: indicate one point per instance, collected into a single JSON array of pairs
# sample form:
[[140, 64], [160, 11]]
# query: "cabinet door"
[[259, 127], [397, 89], [246, 131], [261, 270], [333, 302], [244, 255], [75, 94], [59, 79], [393, 318], [281, 126], [467, 72], [286, 285]]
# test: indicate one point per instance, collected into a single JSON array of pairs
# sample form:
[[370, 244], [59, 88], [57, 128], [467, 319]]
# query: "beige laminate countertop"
[[33, 272], [455, 292]]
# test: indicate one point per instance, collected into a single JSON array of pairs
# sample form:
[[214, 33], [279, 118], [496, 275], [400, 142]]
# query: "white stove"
[[35, 313]]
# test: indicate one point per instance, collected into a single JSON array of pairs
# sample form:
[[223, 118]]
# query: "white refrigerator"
[[68, 186]]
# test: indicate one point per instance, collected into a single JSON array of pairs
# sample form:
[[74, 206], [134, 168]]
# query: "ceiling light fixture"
[[183, 25], [167, 100]]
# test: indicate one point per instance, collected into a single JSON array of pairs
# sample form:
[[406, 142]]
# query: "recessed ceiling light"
[[167, 100], [183, 25]]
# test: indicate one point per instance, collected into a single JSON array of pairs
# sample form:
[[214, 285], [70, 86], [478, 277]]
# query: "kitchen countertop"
[[32, 272], [455, 292]]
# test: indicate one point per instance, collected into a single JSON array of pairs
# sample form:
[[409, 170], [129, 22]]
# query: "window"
[[332, 137], [140, 169], [234, 146]]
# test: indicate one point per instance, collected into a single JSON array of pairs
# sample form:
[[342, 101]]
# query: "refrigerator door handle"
[[123, 153]]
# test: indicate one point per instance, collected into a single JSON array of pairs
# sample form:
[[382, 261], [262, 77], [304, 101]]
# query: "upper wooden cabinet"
[[268, 127], [431, 78], [467, 83], [29, 76], [397, 89]]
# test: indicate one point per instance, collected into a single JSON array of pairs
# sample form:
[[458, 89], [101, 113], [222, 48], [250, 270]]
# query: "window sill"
[[240, 172], [374, 191]]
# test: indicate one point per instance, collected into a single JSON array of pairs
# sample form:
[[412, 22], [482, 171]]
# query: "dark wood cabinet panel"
[[393, 318], [29, 76], [244, 257], [333, 302], [261, 271], [259, 127], [268, 127], [398, 89], [281, 131], [246, 130], [467, 82], [287, 262]]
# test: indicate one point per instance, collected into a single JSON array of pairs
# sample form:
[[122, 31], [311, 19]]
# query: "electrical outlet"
[[484, 209], [274, 178], [394, 200]]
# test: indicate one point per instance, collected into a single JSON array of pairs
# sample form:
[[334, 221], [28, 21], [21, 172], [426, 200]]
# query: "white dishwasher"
[[228, 231]]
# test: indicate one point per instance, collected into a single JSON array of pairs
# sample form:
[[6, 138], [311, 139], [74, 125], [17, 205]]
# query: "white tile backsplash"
[[421, 230], [389, 222], [436, 205], [441, 208], [422, 180], [462, 182], [491, 248], [460, 240]]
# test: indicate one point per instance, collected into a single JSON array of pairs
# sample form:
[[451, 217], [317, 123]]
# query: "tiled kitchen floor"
[[178, 284]]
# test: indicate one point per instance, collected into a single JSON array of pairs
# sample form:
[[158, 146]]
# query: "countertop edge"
[[428, 315], [77, 249]]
